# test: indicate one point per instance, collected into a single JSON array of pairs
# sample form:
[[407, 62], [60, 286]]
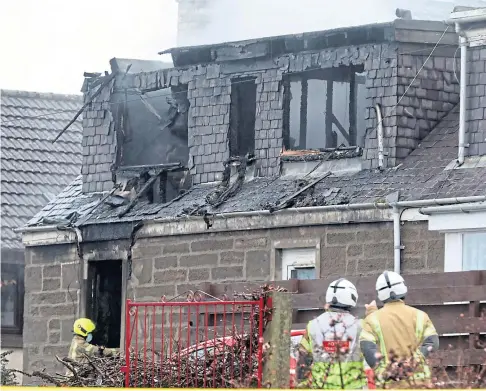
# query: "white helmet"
[[342, 293], [390, 286]]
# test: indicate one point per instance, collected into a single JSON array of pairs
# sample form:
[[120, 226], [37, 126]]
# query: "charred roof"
[[400, 30]]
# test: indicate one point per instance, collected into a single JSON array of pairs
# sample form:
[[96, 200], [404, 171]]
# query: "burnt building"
[[299, 156]]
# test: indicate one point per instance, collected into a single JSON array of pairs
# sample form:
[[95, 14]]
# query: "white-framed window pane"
[[299, 263], [474, 251], [303, 273]]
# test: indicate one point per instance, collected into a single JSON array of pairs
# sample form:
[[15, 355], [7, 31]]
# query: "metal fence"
[[199, 343]]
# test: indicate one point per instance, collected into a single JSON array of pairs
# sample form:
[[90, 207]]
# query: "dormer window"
[[325, 108]]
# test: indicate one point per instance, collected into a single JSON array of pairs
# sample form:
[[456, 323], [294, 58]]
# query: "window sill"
[[11, 341], [321, 154]]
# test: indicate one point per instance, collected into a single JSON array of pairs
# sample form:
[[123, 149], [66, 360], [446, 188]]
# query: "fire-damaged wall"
[[166, 266], [317, 90]]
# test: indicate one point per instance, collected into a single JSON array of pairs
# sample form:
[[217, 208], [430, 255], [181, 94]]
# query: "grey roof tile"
[[34, 170], [420, 176]]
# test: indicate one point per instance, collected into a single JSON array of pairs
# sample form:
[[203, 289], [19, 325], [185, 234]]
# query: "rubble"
[[234, 366]]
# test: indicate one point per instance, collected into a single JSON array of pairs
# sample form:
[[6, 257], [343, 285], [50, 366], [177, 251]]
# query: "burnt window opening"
[[152, 131], [242, 116], [160, 183], [153, 126], [324, 108], [104, 301]]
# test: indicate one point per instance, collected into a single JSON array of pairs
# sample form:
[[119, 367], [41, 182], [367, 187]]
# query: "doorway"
[[104, 301]]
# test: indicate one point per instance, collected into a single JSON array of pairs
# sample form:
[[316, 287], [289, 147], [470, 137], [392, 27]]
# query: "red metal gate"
[[194, 343]]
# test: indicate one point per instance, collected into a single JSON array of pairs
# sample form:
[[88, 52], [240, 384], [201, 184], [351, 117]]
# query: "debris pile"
[[222, 365]]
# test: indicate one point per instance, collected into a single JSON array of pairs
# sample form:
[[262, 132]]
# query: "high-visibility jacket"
[[399, 329], [333, 341], [79, 349]]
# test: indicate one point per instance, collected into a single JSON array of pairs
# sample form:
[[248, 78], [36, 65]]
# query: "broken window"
[[152, 132], [154, 127], [324, 108], [104, 301], [242, 116]]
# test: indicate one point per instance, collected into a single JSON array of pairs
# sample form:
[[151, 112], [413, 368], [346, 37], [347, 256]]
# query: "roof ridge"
[[41, 95]]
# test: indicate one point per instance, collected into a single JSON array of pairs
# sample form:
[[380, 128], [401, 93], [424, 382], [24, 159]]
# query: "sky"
[[48, 44]]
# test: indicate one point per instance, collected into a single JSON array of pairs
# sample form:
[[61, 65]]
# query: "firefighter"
[[397, 338], [330, 346], [80, 346]]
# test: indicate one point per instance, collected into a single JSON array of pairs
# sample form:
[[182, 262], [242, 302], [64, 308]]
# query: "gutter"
[[38, 228], [479, 207], [326, 208], [397, 207]]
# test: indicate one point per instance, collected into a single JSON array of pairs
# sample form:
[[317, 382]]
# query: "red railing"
[[196, 343]]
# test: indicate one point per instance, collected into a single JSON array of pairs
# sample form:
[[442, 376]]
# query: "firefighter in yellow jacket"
[[330, 346], [397, 338], [81, 347]]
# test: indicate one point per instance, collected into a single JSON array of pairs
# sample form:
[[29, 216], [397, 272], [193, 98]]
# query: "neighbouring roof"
[[420, 176], [35, 171]]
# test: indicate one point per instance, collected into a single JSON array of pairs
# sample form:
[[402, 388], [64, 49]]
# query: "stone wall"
[[50, 305], [166, 266], [169, 266], [476, 102]]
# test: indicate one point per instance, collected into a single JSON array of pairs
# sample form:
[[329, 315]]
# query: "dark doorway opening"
[[105, 301], [242, 116]]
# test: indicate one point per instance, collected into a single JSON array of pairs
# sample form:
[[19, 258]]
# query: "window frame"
[[11, 332], [454, 249], [351, 74], [276, 261]]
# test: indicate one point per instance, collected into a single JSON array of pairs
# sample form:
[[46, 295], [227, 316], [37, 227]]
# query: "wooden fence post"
[[276, 370]]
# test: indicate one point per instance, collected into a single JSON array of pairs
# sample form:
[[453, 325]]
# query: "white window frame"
[[287, 267], [454, 225], [279, 271], [453, 256]]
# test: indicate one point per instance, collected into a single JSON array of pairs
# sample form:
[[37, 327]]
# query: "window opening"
[[152, 133], [302, 273], [299, 263], [12, 303], [104, 301], [242, 116], [474, 251], [153, 126], [324, 108]]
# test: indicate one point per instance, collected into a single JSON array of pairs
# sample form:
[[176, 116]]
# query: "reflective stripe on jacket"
[[400, 329], [332, 339]]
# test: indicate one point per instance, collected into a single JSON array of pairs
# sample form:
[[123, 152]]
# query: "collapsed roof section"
[[421, 176], [398, 31]]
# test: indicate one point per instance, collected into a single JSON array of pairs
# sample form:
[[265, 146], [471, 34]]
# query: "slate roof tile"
[[34, 170], [420, 176]]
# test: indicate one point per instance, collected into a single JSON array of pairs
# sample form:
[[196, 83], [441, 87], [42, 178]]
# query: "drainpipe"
[[462, 97], [397, 246], [379, 136]]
